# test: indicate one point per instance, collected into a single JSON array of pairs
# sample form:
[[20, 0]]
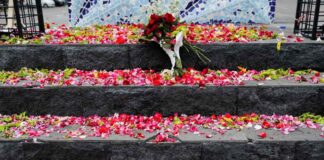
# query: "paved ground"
[[285, 13], [286, 10], [58, 15]]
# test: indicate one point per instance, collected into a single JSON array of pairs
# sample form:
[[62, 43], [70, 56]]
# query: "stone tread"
[[246, 135], [274, 83], [301, 144]]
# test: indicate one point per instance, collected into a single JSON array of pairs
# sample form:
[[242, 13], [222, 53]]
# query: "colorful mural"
[[88, 12]]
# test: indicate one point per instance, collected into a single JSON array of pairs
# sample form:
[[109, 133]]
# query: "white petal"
[[257, 127]]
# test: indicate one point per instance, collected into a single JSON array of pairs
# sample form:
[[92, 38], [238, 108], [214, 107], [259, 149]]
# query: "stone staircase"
[[266, 97]]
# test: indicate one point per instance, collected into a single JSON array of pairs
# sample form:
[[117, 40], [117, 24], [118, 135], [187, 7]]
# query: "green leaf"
[[196, 50], [32, 122], [2, 128], [274, 77], [166, 45], [7, 119], [315, 118], [177, 120], [256, 77], [68, 72]]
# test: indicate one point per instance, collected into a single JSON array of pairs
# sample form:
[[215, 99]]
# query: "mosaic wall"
[[87, 12]]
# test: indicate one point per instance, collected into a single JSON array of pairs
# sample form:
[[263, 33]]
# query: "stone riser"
[[230, 150], [223, 55], [147, 100]]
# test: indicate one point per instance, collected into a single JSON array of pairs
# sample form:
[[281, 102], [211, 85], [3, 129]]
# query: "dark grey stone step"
[[281, 97], [303, 144], [258, 55]]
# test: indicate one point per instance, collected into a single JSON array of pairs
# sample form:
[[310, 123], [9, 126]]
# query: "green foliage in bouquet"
[[164, 29]]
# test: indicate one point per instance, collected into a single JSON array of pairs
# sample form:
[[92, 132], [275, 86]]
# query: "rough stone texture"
[[65, 150], [266, 99], [294, 100], [16, 57], [86, 57], [148, 56], [301, 144], [252, 56], [114, 151], [41, 101], [153, 57], [91, 57], [11, 150], [305, 150], [110, 100], [275, 151], [309, 57], [258, 55], [167, 100], [309, 150], [264, 55], [251, 151], [223, 151]]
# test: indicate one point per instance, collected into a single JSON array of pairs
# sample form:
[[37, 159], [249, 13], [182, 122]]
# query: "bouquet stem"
[[178, 68]]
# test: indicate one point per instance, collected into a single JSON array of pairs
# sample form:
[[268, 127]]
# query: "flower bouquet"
[[171, 35]]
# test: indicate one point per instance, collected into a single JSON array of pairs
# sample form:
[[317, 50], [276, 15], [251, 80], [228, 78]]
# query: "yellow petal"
[[279, 46]]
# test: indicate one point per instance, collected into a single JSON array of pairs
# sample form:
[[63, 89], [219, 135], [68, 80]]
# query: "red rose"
[[151, 22], [173, 41], [155, 27], [154, 18], [169, 18], [47, 26], [148, 31]]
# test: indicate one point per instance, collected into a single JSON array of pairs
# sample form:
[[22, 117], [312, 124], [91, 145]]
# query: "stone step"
[[303, 144], [266, 97], [258, 55]]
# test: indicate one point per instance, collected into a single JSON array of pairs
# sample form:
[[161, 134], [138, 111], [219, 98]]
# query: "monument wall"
[[87, 12]]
